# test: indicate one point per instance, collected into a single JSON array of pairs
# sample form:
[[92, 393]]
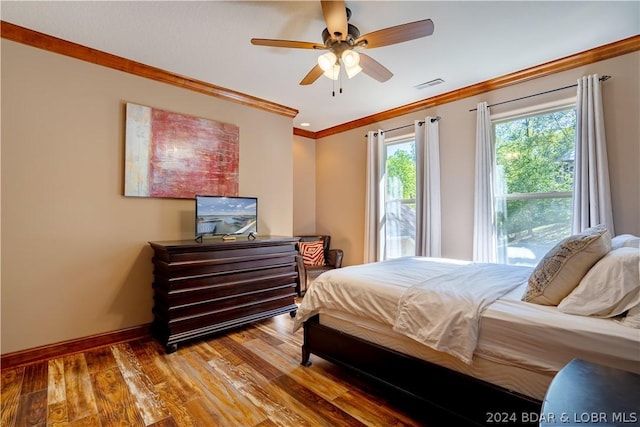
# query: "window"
[[399, 238], [534, 181]]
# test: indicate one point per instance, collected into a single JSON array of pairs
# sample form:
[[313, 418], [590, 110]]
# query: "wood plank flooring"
[[248, 377]]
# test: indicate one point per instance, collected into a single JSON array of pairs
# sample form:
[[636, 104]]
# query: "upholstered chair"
[[315, 256]]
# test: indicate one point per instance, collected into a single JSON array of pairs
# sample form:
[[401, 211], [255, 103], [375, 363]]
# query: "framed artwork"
[[178, 156]]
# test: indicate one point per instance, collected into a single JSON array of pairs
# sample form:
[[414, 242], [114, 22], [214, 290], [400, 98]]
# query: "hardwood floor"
[[248, 377]]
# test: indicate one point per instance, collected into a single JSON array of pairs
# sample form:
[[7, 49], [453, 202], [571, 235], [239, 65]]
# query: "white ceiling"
[[210, 41]]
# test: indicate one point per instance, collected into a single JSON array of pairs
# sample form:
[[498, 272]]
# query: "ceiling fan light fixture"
[[333, 73], [351, 58], [353, 70], [341, 39], [327, 61]]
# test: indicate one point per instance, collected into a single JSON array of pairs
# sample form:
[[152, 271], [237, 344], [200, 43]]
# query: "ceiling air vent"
[[429, 83]]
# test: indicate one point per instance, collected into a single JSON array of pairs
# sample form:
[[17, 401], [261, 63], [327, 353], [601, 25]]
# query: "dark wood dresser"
[[211, 286]]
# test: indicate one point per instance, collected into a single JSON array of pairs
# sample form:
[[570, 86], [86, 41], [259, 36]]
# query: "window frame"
[[516, 114], [400, 139]]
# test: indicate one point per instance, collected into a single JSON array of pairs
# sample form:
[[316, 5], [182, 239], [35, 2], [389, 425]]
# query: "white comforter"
[[437, 302], [444, 312]]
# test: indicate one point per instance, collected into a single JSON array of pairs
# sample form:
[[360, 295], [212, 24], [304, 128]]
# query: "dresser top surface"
[[218, 242]]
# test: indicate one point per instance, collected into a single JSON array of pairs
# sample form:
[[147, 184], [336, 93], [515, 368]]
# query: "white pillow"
[[625, 240], [610, 287], [562, 268]]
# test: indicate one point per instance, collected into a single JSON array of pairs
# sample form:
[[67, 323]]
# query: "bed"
[[488, 331]]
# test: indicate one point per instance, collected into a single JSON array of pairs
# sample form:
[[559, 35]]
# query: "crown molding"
[[304, 132], [43, 41], [63, 47], [611, 50]]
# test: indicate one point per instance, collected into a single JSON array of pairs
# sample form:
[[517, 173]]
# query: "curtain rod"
[[603, 78], [433, 119]]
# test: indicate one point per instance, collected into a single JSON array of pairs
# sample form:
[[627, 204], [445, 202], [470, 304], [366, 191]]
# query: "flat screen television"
[[226, 215]]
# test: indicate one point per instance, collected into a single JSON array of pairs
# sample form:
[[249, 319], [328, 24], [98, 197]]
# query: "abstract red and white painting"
[[174, 155]]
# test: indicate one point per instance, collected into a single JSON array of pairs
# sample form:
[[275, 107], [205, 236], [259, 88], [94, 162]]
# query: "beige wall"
[[340, 158], [304, 186], [75, 258]]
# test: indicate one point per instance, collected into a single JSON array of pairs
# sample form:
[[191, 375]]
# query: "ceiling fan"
[[342, 40]]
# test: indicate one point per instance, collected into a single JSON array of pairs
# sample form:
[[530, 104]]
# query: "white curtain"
[[484, 226], [428, 188], [374, 196], [591, 191]]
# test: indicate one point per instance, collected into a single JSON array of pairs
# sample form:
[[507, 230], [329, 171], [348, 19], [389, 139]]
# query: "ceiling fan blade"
[[312, 76], [397, 34], [287, 43], [335, 16], [374, 69]]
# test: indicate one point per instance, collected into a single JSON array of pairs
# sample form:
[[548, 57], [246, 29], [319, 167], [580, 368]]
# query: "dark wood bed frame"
[[476, 401]]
